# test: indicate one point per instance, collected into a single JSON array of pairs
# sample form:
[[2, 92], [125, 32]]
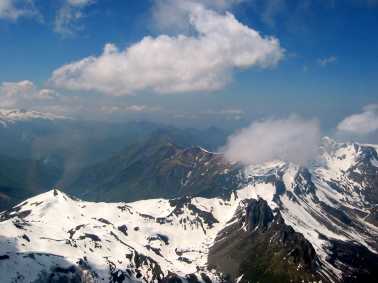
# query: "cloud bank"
[[26, 95], [23, 94], [291, 140], [204, 61], [363, 123]]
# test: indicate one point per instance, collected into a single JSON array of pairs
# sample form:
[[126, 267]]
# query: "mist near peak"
[[292, 139]]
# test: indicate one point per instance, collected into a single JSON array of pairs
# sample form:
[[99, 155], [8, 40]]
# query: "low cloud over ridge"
[[362, 123], [174, 64], [292, 140]]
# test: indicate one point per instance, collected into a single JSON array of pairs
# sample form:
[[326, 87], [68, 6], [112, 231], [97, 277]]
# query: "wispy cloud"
[[271, 9], [13, 10], [68, 16], [175, 64], [327, 61]]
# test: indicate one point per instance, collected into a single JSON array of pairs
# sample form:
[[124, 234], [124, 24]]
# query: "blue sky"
[[327, 68]]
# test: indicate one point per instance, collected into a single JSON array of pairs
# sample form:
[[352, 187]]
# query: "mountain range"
[[206, 220]]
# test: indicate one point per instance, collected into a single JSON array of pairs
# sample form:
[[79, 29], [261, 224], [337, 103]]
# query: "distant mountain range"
[[60, 148], [273, 222]]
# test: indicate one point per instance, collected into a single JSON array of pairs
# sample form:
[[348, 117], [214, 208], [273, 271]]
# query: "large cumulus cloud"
[[203, 61]]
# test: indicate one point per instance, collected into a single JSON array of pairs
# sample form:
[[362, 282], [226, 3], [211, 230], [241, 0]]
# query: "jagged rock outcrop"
[[259, 247]]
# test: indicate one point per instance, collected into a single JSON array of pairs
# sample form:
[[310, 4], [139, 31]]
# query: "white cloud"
[[12, 9], [174, 64], [291, 140], [66, 20], [362, 123], [326, 61], [23, 94]]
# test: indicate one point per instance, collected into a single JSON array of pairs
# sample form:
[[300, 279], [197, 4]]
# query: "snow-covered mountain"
[[10, 116], [279, 223]]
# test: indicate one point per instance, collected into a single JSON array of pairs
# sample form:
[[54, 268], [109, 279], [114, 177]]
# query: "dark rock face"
[[262, 248], [142, 260], [304, 184], [358, 263], [123, 229], [93, 237], [258, 215]]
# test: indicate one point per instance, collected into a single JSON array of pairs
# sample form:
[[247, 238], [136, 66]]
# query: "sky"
[[195, 62]]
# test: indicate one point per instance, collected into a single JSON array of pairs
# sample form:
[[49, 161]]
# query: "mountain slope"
[[156, 168]]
